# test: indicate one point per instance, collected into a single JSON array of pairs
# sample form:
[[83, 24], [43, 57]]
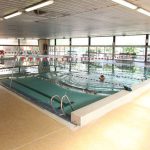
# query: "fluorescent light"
[[125, 3], [39, 5], [145, 12], [13, 15]]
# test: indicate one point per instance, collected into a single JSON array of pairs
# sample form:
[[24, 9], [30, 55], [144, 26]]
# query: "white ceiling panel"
[[66, 18]]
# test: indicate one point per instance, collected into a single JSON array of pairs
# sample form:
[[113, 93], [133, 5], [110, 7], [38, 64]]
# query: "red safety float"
[[45, 59], [30, 58], [1, 52], [38, 59], [22, 58]]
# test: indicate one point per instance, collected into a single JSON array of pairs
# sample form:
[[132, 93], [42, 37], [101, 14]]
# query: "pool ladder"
[[61, 99]]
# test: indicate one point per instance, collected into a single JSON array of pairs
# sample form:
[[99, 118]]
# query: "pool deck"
[[24, 127]]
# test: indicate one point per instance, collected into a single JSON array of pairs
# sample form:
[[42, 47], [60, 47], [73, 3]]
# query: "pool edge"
[[87, 114], [44, 111]]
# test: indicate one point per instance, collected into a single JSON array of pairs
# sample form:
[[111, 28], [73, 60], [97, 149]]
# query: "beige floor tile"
[[125, 128], [21, 123]]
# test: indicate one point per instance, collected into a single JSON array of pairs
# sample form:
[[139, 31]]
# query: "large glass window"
[[127, 48], [26, 50], [8, 42], [130, 40], [51, 50], [130, 53], [79, 41], [149, 41], [62, 42], [101, 41], [62, 50], [148, 54], [101, 52], [80, 52], [80, 56], [29, 42], [9, 50], [52, 42]]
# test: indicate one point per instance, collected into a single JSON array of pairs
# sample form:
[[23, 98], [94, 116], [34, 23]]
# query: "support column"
[[44, 64], [70, 43], [43, 46], [89, 44], [55, 67], [113, 53], [113, 47], [146, 47], [18, 53]]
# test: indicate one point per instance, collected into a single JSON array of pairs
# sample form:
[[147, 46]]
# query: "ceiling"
[[73, 18]]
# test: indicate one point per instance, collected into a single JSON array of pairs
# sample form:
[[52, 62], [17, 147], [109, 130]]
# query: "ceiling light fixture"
[[13, 15], [40, 5], [125, 3], [145, 12]]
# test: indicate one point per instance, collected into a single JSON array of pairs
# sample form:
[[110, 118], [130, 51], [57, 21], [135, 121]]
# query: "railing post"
[[146, 47]]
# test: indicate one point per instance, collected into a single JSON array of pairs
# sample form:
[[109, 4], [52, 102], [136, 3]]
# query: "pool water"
[[82, 88], [41, 91]]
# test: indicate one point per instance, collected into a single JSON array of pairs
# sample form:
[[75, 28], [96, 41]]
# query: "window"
[[62, 50], [80, 56], [79, 41], [101, 41], [8, 42], [29, 42], [52, 42], [26, 50], [130, 40], [80, 51], [62, 42], [149, 40], [130, 52], [148, 54]]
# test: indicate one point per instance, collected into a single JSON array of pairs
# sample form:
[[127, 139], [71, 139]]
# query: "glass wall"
[[18, 53], [80, 58], [127, 49], [101, 41], [131, 40], [52, 42], [62, 42], [8, 42], [59, 54], [148, 54], [29, 46], [79, 41], [8, 49], [9, 46], [79, 55], [130, 48], [101, 48]]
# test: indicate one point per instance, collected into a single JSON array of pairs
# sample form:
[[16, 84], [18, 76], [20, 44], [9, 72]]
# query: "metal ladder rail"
[[14, 67], [65, 97], [52, 99]]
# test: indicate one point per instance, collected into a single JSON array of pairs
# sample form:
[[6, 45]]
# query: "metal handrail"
[[13, 68], [65, 97], [52, 99]]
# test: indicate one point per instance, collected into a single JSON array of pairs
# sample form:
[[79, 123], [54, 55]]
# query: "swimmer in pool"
[[102, 78]]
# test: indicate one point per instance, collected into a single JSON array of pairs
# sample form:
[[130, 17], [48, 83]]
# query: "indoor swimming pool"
[[62, 92], [48, 94]]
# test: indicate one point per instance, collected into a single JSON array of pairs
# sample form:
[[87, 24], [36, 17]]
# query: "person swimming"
[[102, 77]]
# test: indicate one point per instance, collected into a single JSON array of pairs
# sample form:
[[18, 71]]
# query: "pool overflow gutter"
[[78, 116]]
